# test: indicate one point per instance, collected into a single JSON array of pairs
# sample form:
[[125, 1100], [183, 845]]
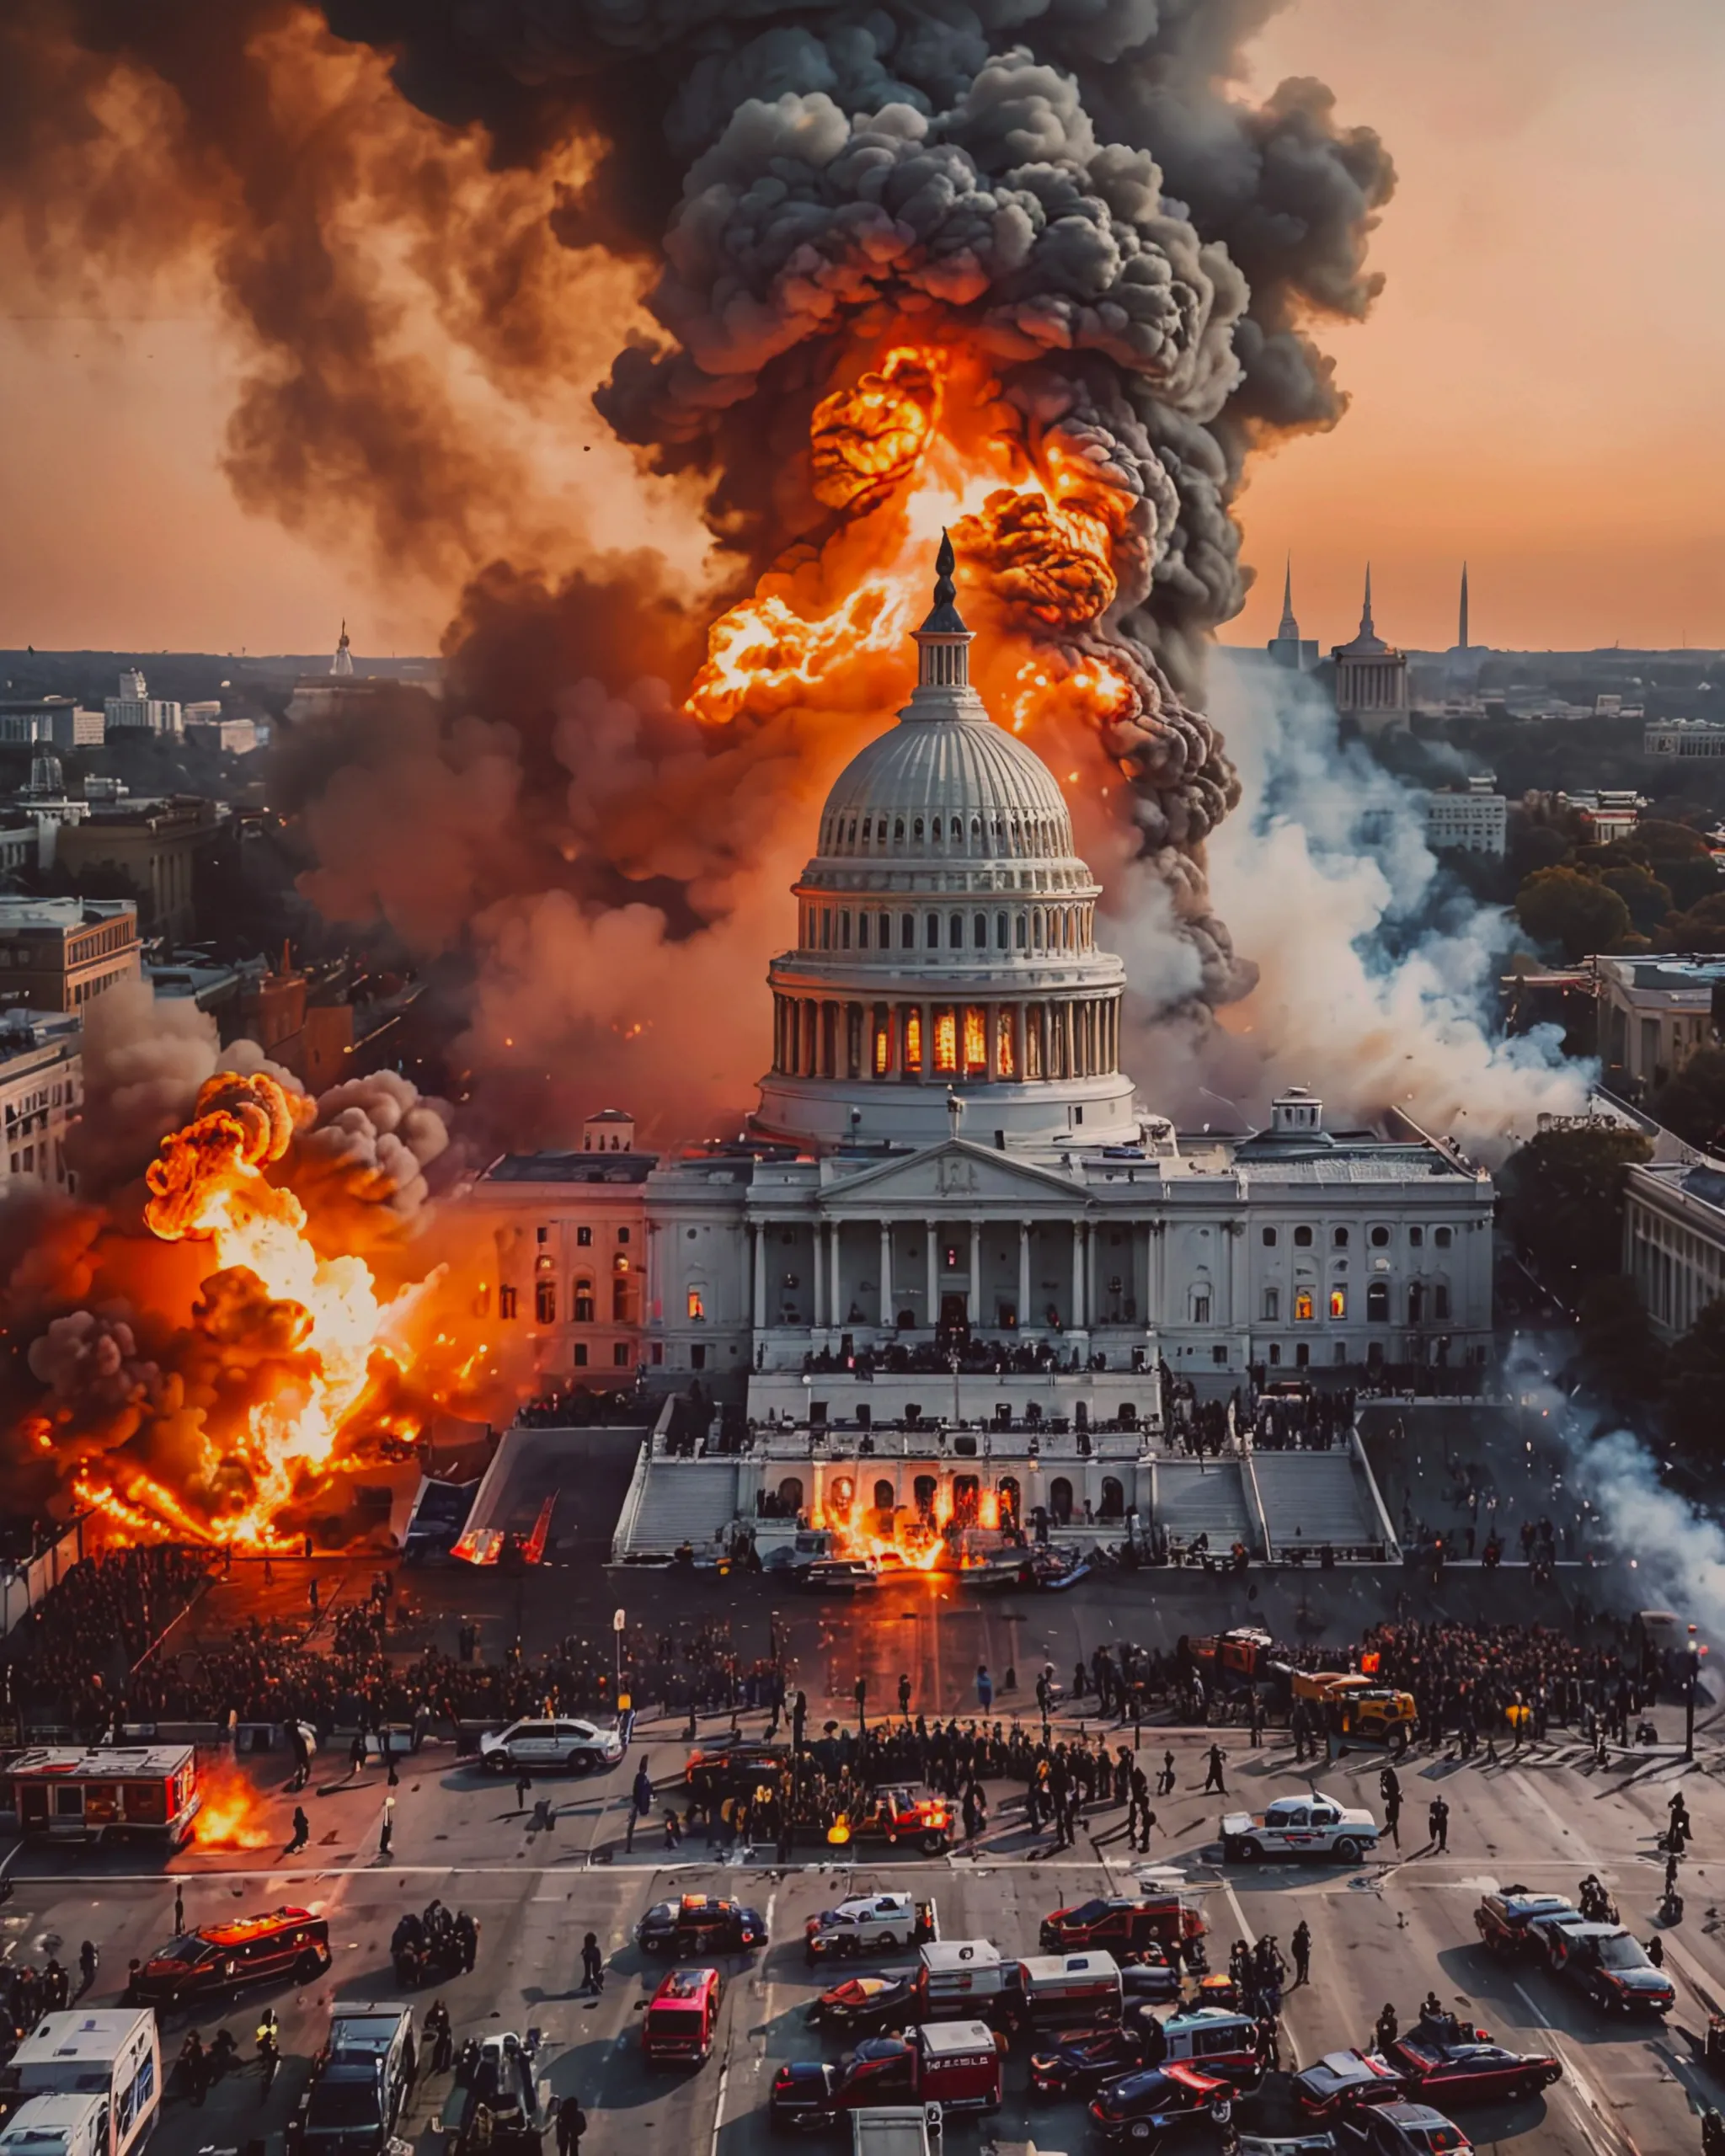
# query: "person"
[[86, 1960], [269, 2047], [984, 1687], [1712, 2132], [524, 1782], [389, 1760], [1387, 2029], [386, 1839], [356, 1753], [440, 2035], [1392, 1815], [904, 1697], [466, 1939], [1213, 1780], [301, 1829], [643, 1793], [179, 1911], [571, 2125], [1165, 1780], [1438, 1819], [1300, 1946], [1656, 1951], [193, 2066], [592, 1964], [1431, 2008]]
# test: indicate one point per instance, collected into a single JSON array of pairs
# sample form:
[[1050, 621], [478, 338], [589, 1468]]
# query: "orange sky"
[[1537, 390]]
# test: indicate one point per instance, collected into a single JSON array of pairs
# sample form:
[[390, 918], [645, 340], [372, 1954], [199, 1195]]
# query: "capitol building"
[[952, 1222]]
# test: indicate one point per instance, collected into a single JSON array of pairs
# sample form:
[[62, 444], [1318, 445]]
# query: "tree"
[[1702, 928], [1648, 899], [1691, 1102], [1656, 841], [1620, 1355], [1559, 905], [1563, 1199], [1695, 1390]]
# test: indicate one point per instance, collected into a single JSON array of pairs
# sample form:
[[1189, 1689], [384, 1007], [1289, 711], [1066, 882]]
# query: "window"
[[1302, 1239], [1000, 932], [697, 1308], [584, 1237], [1338, 1239], [913, 1039], [979, 931], [955, 932], [505, 1302], [1275, 1351], [622, 1234], [975, 1038], [1219, 1355], [584, 1302], [580, 1354], [1302, 1306], [698, 1356], [1443, 1239], [1272, 1304], [862, 931], [932, 937], [1379, 1238], [541, 1234], [945, 1040], [1021, 932], [621, 1356], [619, 1302], [1269, 1238], [1338, 1302], [1377, 1303], [545, 1301], [1440, 1301], [907, 932], [1200, 1305], [1416, 1301], [1415, 1236]]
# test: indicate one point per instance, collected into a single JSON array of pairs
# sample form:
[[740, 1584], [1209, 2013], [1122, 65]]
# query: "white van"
[[114, 2053], [57, 2126]]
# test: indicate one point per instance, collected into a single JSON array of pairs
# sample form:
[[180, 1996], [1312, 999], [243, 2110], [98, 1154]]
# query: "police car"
[[1313, 1825]]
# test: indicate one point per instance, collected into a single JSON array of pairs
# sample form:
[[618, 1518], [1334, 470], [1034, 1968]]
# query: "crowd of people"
[[102, 1619], [1475, 1681]]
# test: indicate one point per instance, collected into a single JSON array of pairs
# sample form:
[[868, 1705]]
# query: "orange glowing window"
[[883, 1048], [1302, 1305], [976, 1037], [913, 1040], [697, 1308], [505, 1302], [945, 1040], [1004, 1055], [1338, 1302]]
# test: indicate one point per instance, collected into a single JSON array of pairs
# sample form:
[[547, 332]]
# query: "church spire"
[[943, 641], [1461, 631], [1288, 630], [1366, 626]]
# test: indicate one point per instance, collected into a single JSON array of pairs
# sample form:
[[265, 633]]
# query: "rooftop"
[[572, 1167], [17, 914]]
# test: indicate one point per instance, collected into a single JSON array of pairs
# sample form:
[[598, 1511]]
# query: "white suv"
[[579, 1747]]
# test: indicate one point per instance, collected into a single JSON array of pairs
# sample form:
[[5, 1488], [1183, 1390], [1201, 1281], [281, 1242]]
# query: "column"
[[933, 1313], [819, 1283], [976, 1272], [838, 1305], [927, 1072], [886, 1272], [1024, 1274], [1077, 1319], [991, 1053], [760, 1274]]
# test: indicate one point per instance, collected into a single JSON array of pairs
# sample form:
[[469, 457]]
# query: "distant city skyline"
[[1515, 404]]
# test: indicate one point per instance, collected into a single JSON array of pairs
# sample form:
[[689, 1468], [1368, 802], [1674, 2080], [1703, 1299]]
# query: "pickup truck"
[[956, 2065], [869, 1923], [1315, 1825]]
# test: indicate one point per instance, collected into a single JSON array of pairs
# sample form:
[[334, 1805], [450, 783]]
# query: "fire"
[[1046, 528], [232, 1814]]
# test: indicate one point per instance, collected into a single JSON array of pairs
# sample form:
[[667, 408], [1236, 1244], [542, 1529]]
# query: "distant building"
[[1611, 813], [1288, 648], [1472, 821], [154, 842], [1682, 738], [1371, 677], [1674, 1239], [42, 1084], [234, 737], [136, 711], [611, 1130], [1654, 1014], [59, 954], [319, 696], [56, 722]]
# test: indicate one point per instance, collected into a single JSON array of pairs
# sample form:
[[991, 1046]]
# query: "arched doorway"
[[922, 1491], [1011, 1502], [966, 1500], [1059, 1500], [883, 1497], [1113, 1499], [790, 1497]]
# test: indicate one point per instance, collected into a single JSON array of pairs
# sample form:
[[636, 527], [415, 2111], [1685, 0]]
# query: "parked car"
[[870, 1924], [682, 2018], [537, 1745], [700, 1924], [1506, 1921], [1346, 2081], [1126, 1925], [1143, 2107], [1465, 2066], [1309, 1826], [729, 1767], [288, 1945], [1080, 2067], [1401, 2130], [1608, 1965]]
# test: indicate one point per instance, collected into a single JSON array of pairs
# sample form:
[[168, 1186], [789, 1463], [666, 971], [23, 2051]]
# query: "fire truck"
[[147, 1791]]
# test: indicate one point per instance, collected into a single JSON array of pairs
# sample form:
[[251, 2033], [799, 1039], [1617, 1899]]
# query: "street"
[[1386, 1930]]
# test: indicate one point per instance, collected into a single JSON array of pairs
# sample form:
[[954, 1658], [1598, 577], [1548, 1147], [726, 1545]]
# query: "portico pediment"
[[955, 1173]]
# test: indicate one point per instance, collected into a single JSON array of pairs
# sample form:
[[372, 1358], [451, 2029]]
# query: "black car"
[[697, 1924], [727, 1768], [803, 2095], [866, 2005], [1403, 2129], [1081, 2067], [1143, 2107], [1610, 1966]]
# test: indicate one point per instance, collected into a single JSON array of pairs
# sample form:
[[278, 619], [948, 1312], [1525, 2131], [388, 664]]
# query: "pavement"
[[1387, 1930]]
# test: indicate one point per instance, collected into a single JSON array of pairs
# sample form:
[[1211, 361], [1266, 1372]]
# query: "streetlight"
[[619, 1620], [1694, 1652]]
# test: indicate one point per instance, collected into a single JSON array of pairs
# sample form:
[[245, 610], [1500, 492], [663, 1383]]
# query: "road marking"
[[1582, 2088], [724, 2075]]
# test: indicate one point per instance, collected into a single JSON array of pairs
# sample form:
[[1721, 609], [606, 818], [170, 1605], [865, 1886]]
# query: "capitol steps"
[[1210, 1500], [1314, 1497], [677, 1501]]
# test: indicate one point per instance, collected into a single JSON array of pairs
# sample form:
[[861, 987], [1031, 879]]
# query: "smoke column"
[[1051, 276]]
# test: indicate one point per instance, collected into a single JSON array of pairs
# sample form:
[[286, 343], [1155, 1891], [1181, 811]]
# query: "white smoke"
[[1377, 979]]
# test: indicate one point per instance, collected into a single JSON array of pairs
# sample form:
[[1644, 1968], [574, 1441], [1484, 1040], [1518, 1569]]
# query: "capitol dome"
[[946, 965]]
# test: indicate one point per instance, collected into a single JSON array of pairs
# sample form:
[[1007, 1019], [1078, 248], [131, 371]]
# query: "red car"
[[1467, 2068], [1125, 1924], [682, 2019]]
